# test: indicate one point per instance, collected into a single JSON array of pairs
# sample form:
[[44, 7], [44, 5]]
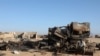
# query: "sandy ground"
[[97, 53], [96, 40], [32, 53], [10, 53]]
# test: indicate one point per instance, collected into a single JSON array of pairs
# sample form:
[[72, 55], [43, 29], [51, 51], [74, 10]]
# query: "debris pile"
[[63, 39]]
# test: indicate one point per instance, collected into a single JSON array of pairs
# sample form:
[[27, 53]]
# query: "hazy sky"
[[39, 15]]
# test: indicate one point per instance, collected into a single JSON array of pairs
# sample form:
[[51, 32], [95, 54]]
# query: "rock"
[[15, 52]]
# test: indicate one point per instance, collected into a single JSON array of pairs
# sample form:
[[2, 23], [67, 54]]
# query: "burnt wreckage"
[[70, 38]]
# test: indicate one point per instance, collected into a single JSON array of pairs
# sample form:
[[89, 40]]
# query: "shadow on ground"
[[2, 54]]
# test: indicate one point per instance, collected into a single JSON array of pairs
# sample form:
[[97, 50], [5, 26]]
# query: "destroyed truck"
[[70, 38]]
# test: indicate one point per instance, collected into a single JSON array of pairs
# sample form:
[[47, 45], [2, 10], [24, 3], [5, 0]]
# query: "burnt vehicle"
[[69, 38]]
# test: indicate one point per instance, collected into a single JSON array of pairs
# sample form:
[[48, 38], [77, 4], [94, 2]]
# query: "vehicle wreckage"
[[70, 38]]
